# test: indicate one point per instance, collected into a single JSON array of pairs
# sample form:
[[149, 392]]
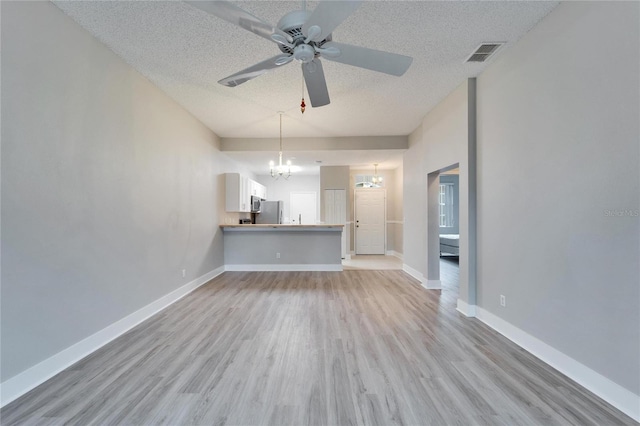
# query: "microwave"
[[255, 204]]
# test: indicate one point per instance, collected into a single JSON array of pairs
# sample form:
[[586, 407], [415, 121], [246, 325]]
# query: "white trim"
[[432, 285], [347, 256], [414, 273], [23, 382], [621, 398], [284, 267], [466, 309], [394, 253], [357, 191]]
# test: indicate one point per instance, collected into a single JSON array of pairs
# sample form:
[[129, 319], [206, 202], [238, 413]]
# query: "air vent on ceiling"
[[484, 51]]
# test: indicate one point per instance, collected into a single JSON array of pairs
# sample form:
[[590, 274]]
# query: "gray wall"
[[557, 148], [439, 142], [398, 214], [109, 188], [314, 247], [349, 143], [558, 156]]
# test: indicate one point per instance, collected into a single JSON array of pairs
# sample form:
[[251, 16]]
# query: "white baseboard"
[[39, 373], [466, 309], [347, 256], [414, 273], [281, 267], [394, 253], [621, 398], [428, 284], [432, 285]]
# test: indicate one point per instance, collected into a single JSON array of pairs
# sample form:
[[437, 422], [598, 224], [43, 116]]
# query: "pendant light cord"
[[280, 134], [279, 170]]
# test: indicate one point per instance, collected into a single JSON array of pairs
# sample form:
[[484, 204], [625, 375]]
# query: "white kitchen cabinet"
[[262, 191], [258, 189], [239, 190], [237, 193]]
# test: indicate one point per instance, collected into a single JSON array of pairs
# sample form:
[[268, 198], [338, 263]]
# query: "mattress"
[[452, 240]]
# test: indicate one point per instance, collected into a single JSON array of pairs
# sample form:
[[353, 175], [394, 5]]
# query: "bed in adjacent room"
[[449, 244]]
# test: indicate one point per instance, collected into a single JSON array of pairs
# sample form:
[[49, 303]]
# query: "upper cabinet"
[[239, 190], [237, 196], [258, 189]]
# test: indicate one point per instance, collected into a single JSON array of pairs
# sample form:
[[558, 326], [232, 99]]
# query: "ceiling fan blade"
[[232, 13], [328, 15], [316, 84], [374, 60], [256, 70]]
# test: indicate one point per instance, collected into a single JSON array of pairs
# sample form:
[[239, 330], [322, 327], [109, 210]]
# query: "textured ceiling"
[[185, 51]]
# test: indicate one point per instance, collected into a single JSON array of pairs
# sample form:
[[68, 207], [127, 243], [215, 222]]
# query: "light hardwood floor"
[[320, 348], [372, 262]]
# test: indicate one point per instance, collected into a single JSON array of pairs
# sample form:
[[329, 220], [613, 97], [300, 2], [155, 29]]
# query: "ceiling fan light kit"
[[304, 53], [306, 37]]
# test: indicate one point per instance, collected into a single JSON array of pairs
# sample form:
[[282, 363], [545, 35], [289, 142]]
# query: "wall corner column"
[[471, 296]]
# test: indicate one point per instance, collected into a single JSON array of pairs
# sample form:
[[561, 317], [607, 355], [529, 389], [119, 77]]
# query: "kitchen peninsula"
[[282, 247]]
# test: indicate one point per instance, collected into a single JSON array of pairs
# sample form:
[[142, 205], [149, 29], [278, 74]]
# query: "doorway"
[[449, 233], [303, 208], [370, 221]]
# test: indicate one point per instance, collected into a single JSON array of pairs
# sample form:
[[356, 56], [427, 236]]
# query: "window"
[[446, 205], [367, 181]]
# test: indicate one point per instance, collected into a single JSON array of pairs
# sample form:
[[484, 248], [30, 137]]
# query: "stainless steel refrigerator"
[[270, 212]]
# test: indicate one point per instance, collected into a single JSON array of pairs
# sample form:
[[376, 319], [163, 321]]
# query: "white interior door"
[[303, 208], [370, 218], [335, 212]]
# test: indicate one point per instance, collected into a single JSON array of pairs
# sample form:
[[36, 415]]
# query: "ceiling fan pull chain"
[[302, 104]]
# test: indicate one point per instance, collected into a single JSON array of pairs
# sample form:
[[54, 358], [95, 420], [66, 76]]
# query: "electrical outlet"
[[277, 255], [503, 300], [184, 273]]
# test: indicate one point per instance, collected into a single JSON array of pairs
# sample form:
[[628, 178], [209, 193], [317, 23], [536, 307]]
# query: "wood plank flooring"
[[311, 348], [372, 262]]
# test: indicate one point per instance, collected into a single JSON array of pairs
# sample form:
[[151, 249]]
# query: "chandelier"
[[281, 170], [376, 179]]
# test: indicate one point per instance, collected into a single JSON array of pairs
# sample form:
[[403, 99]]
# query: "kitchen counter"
[[282, 247], [281, 227]]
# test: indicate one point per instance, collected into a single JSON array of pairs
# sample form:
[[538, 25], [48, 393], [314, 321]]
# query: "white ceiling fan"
[[306, 37]]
